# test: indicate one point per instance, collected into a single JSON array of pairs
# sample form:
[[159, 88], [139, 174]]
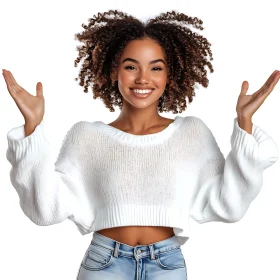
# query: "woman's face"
[[142, 66]]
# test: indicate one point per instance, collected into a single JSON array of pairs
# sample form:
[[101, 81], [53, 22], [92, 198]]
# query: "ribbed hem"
[[131, 214], [143, 215]]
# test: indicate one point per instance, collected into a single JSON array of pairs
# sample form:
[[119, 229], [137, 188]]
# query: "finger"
[[270, 83], [39, 89], [9, 78], [6, 76], [244, 88], [10, 82], [276, 78], [12, 78], [16, 91]]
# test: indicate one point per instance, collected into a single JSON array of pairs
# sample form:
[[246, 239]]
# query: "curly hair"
[[108, 33]]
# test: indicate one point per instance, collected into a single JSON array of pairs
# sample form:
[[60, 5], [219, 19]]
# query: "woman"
[[136, 181]]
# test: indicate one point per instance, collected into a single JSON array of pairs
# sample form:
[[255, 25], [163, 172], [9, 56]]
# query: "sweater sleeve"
[[45, 190], [226, 187]]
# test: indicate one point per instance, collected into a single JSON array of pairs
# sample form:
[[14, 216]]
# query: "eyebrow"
[[136, 61]]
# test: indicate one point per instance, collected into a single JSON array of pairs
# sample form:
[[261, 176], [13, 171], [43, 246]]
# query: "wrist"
[[29, 128], [245, 123]]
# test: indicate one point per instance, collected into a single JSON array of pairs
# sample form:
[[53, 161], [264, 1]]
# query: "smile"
[[141, 93]]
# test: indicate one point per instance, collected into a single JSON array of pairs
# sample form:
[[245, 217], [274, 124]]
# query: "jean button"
[[138, 252]]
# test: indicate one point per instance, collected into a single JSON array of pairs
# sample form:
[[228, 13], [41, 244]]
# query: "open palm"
[[247, 105], [32, 107]]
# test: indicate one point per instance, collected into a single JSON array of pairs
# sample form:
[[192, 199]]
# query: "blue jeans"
[[108, 259]]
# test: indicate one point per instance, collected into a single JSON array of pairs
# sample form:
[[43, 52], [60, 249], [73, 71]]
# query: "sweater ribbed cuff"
[[19, 145], [245, 144], [258, 147]]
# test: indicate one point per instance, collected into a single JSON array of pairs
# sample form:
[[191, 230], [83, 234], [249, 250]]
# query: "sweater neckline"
[[146, 138]]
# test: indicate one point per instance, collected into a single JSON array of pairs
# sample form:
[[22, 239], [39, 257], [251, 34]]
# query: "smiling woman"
[[136, 182]]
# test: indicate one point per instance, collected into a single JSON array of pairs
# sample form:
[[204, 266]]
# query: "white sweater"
[[104, 177]]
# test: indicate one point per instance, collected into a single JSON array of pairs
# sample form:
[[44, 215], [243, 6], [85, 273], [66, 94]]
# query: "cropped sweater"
[[104, 177]]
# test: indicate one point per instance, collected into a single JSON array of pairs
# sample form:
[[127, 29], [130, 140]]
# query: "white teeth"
[[145, 91]]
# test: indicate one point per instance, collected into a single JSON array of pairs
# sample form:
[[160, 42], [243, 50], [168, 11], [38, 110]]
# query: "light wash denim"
[[108, 259]]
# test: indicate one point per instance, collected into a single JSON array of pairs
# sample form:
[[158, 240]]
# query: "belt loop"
[[116, 250], [152, 252]]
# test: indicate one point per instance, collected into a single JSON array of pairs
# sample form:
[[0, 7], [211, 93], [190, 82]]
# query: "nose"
[[142, 78]]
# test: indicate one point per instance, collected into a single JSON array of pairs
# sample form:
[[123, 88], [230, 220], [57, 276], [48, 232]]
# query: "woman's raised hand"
[[247, 105], [32, 107]]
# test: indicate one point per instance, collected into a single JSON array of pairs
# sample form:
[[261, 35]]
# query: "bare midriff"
[[138, 235]]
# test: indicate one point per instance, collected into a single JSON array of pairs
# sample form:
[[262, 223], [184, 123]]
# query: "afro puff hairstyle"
[[107, 34]]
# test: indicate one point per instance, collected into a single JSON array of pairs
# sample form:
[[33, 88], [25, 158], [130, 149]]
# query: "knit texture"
[[104, 177]]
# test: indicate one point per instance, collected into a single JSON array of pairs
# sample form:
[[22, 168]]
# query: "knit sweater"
[[104, 177]]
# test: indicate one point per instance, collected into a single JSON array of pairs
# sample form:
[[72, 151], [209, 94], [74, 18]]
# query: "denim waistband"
[[137, 251]]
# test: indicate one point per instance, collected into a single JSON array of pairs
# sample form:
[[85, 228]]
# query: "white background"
[[37, 44]]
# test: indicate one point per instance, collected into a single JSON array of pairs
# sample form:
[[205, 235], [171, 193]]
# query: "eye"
[[126, 67], [129, 67]]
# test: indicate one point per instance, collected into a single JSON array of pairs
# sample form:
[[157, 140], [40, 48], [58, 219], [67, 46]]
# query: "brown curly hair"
[[106, 36]]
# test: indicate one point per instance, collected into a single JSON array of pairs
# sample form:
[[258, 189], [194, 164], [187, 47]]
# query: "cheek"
[[161, 79], [123, 78], [123, 82]]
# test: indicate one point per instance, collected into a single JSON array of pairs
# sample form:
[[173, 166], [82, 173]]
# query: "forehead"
[[145, 49]]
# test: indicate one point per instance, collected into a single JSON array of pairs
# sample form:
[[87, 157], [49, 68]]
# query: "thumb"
[[39, 89], [244, 88]]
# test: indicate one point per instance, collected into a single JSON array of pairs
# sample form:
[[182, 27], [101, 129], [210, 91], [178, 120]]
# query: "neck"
[[135, 119]]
